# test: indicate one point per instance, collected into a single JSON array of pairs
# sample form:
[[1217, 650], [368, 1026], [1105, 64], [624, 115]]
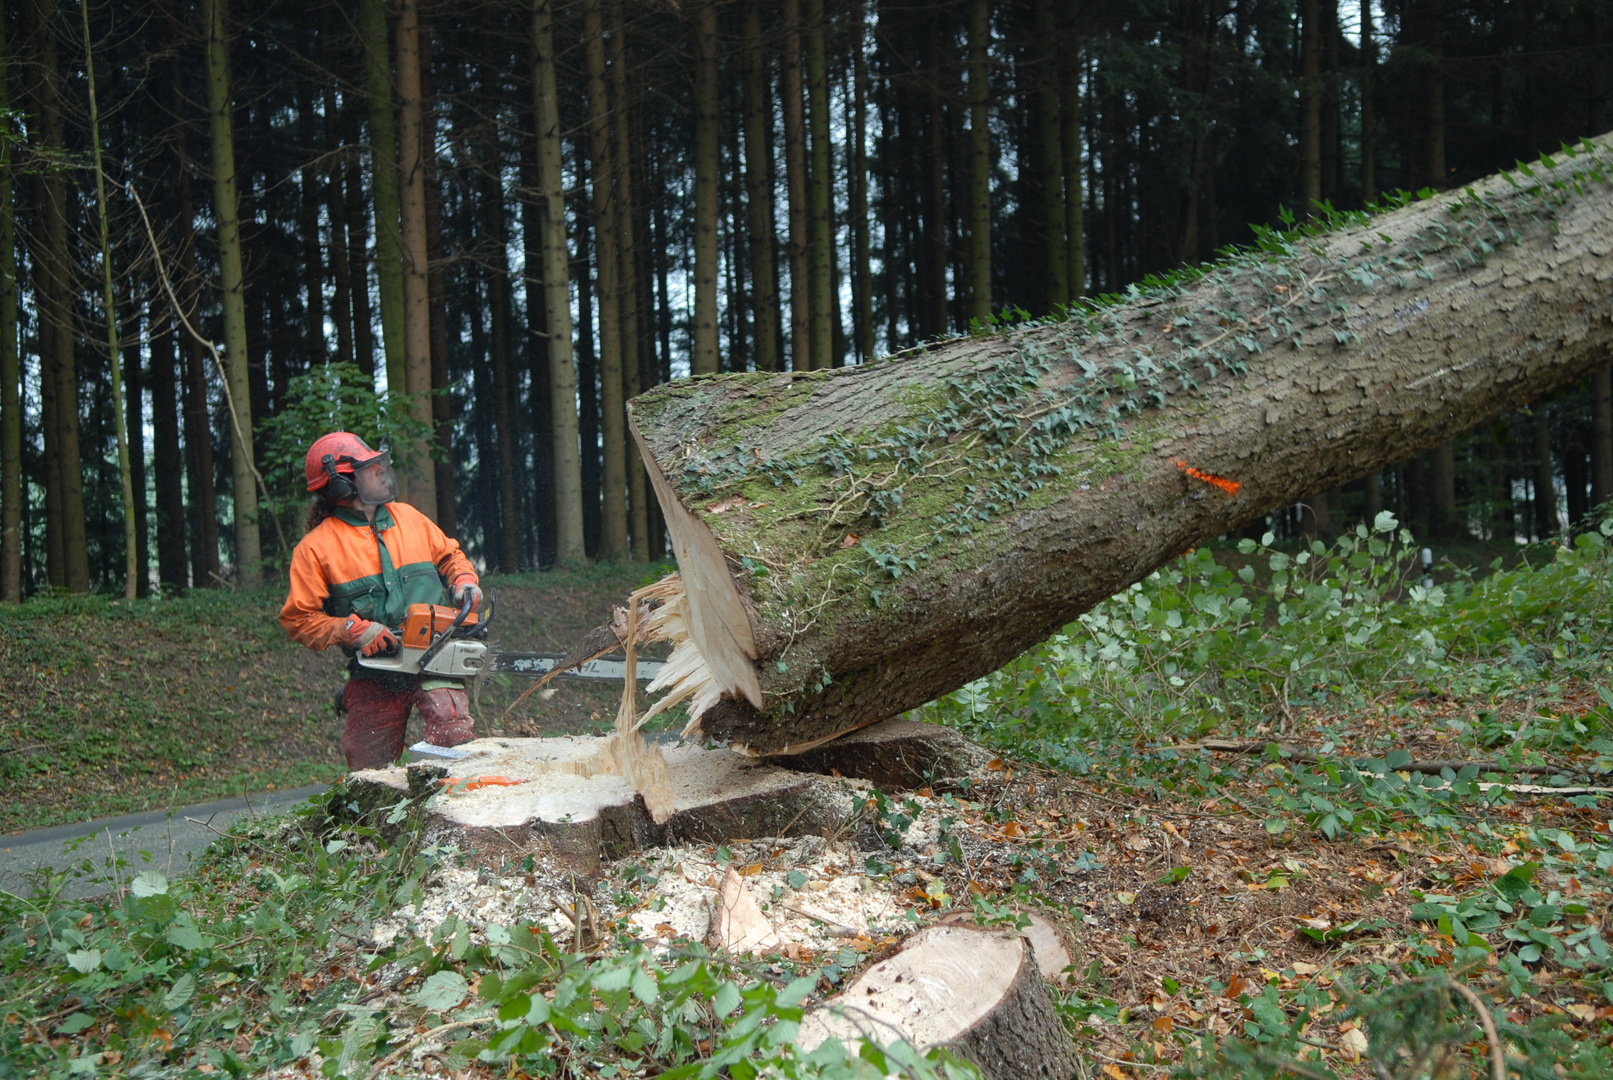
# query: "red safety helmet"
[[346, 454]]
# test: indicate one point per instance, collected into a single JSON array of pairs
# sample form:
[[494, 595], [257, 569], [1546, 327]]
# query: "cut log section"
[[568, 796], [856, 542], [895, 754], [977, 992]]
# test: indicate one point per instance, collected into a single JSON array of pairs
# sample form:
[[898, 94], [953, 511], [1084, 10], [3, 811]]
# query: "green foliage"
[[1207, 643], [331, 397], [166, 975]]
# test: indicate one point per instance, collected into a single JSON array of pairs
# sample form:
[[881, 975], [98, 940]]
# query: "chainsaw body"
[[436, 640]]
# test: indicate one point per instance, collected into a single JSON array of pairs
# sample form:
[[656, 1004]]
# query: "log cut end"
[[976, 992], [718, 627]]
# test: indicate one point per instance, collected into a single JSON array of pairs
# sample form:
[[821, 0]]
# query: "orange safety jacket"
[[344, 566]]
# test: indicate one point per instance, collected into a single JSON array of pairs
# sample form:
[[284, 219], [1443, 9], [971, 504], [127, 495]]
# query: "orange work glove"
[[460, 585], [368, 637]]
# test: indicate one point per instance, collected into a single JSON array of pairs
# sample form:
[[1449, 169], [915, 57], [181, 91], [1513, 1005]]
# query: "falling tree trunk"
[[795, 184], [69, 556], [820, 182], [10, 366], [759, 195], [384, 185], [703, 353], [980, 162], [418, 476], [556, 292], [627, 293], [971, 499], [244, 493], [607, 246]]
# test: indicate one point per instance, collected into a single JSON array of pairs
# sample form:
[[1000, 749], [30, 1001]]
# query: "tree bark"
[[557, 293], [505, 553], [607, 247], [232, 297], [795, 183], [358, 245], [1328, 122], [69, 562], [372, 25], [703, 356], [820, 181], [759, 194], [341, 316], [980, 162], [417, 475], [973, 498], [10, 366]]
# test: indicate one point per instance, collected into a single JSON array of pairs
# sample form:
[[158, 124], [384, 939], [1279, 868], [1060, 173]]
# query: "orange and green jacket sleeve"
[[338, 570]]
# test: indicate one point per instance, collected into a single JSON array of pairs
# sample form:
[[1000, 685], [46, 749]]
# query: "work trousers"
[[376, 718]]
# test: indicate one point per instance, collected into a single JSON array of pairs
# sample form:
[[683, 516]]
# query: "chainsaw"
[[437, 640]]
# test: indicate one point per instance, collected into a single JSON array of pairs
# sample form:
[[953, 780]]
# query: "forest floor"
[[1295, 814], [108, 707]]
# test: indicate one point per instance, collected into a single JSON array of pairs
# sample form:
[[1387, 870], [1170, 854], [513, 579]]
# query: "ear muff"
[[340, 487]]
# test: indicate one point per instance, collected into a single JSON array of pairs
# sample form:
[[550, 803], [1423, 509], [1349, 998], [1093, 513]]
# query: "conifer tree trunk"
[[504, 545], [607, 246], [980, 160], [862, 275], [358, 242], [1051, 157], [134, 424], [974, 536], [759, 194], [628, 286], [557, 292], [167, 460], [1369, 115], [935, 169], [418, 477], [1433, 23], [198, 428], [703, 357], [10, 365], [313, 252], [1328, 121], [71, 567], [442, 405], [1601, 436], [133, 567], [372, 25], [335, 204], [795, 183], [537, 349], [1075, 252], [820, 178], [1310, 108], [244, 492], [1545, 472]]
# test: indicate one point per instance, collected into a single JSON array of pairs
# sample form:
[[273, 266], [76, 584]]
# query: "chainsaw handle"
[[442, 638]]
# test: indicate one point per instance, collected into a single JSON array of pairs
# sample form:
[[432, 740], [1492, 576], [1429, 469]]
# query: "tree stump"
[[977, 992]]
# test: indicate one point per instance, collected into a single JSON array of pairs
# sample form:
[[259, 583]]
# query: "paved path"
[[158, 839]]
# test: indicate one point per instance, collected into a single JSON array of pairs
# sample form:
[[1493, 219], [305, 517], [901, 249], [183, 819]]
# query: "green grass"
[[110, 707]]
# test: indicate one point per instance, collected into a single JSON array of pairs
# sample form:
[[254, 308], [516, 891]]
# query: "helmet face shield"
[[377, 483]]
